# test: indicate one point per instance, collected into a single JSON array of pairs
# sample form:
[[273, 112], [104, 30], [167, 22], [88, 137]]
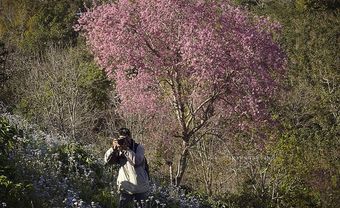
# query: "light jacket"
[[132, 176]]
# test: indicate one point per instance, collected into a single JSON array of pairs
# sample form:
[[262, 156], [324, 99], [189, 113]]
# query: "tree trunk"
[[170, 170], [182, 163], [169, 163]]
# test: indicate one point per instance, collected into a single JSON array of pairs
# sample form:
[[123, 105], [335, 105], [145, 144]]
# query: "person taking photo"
[[133, 178]]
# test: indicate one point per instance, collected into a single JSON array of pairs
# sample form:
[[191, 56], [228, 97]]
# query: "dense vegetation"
[[58, 110]]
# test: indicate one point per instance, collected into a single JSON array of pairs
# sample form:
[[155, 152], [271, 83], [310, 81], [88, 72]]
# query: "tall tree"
[[190, 61]]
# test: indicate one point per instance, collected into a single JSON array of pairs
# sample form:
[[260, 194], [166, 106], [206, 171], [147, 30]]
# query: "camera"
[[121, 141]]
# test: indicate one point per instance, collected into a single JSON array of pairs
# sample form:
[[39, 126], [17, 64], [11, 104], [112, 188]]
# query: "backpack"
[[146, 165]]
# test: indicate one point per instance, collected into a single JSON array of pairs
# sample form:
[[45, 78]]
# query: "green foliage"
[[13, 191], [7, 143], [74, 158], [92, 80], [308, 150], [303, 5], [7, 132], [14, 194], [306, 166], [106, 197], [34, 24]]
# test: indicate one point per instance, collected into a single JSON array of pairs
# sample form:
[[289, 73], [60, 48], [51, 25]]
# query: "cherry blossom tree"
[[190, 60]]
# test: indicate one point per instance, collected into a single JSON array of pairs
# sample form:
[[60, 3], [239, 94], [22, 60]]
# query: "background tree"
[[65, 92], [305, 155], [27, 28], [34, 24], [192, 62]]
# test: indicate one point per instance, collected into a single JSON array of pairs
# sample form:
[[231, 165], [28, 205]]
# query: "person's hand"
[[115, 145]]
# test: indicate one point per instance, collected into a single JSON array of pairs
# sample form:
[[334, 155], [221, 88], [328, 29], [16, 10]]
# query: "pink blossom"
[[172, 53]]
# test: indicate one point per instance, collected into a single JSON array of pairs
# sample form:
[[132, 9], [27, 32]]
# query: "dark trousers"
[[125, 199]]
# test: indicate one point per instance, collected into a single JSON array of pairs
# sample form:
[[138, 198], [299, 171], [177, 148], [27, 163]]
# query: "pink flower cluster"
[[161, 51]]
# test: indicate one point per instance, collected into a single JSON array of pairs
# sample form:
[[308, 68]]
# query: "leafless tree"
[[55, 93]]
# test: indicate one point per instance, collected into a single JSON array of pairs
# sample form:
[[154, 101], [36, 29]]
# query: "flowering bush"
[[39, 169], [58, 172]]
